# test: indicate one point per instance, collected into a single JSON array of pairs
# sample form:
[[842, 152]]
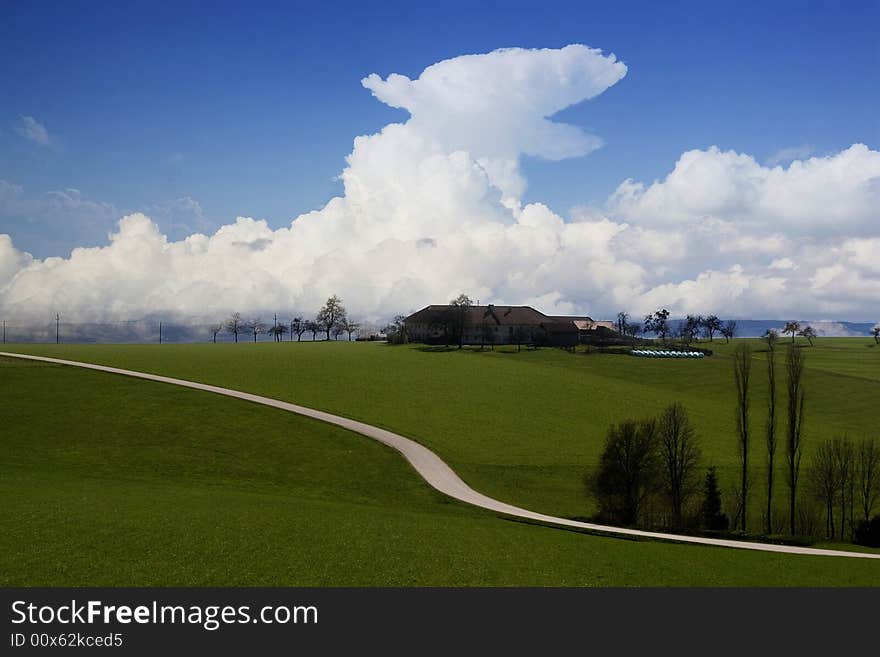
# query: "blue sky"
[[251, 111], [740, 171]]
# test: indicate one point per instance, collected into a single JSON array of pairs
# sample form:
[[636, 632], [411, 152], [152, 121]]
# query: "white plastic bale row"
[[660, 353]]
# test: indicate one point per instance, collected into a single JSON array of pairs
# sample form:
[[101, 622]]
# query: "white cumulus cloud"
[[432, 207]]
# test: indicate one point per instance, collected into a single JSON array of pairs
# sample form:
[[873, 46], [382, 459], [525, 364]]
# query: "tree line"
[[331, 319], [693, 327], [650, 468]]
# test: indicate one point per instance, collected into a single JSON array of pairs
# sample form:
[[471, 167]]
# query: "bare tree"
[[256, 326], [396, 331], [792, 328], [487, 335], [809, 333], [215, 329], [690, 328], [844, 462], [331, 315], [312, 327], [729, 330], [712, 325], [349, 327], [627, 470], [235, 324], [278, 332], [337, 331], [868, 475], [742, 368], [633, 329], [794, 366], [298, 327], [680, 455], [772, 337], [824, 482], [520, 335], [458, 317], [771, 433]]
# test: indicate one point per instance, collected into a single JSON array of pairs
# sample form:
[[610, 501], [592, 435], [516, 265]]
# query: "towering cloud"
[[431, 207]]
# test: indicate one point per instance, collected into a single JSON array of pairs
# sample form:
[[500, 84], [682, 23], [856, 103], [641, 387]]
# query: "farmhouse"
[[497, 325]]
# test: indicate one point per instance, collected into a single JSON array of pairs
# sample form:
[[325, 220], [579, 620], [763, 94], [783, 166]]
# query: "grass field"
[[524, 427], [113, 481]]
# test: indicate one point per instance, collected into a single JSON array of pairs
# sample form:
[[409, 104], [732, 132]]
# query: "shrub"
[[868, 532], [713, 517]]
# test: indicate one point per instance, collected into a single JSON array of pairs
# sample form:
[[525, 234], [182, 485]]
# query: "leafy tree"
[[712, 325], [794, 365], [622, 319], [313, 327], [627, 471], [729, 330], [680, 456], [658, 323], [235, 324], [876, 332], [633, 329], [713, 518], [809, 333], [331, 315], [772, 337], [742, 367], [792, 328]]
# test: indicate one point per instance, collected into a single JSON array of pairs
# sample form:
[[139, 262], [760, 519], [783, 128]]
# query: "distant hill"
[[752, 328]]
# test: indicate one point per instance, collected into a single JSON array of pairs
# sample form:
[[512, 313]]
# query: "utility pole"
[[160, 332], [57, 328]]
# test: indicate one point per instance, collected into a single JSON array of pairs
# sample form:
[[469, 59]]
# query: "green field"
[[524, 426], [108, 480]]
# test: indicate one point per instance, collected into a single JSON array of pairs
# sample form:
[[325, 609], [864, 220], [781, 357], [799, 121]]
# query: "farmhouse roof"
[[572, 318], [499, 315], [560, 325]]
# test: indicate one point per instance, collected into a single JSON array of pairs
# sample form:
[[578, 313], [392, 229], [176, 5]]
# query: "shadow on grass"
[[474, 349], [437, 348]]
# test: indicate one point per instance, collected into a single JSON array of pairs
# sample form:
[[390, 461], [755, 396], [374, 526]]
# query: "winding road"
[[439, 475]]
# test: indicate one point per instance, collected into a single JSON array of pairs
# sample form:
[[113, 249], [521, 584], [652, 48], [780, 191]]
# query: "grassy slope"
[[523, 426], [113, 481]]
